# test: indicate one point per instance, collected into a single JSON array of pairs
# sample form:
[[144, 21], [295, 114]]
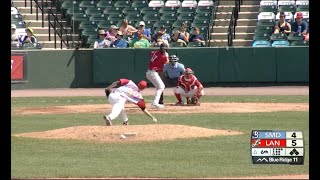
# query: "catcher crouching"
[[188, 87]]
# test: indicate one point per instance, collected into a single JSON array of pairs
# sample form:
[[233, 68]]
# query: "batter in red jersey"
[[158, 59], [126, 91], [188, 87]]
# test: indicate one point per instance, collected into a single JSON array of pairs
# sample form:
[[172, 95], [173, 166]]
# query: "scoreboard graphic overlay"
[[277, 147]]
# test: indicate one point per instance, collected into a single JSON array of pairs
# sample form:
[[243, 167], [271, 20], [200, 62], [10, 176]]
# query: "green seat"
[[90, 40], [88, 24], [68, 4], [115, 17], [133, 17], [19, 24], [259, 36], [299, 43], [186, 10], [168, 17], [203, 16], [105, 3], [149, 10], [78, 18], [106, 24], [264, 22], [89, 32], [302, 8], [122, 4], [140, 4], [178, 23], [112, 10], [93, 10], [97, 17], [272, 8], [278, 37], [295, 37], [177, 44], [195, 44], [186, 17], [151, 17], [167, 10], [87, 4], [130, 10], [287, 8], [162, 23], [264, 29], [200, 23], [204, 9]]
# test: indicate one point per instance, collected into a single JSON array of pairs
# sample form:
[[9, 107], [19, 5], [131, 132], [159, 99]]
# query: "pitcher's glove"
[[194, 101], [107, 91]]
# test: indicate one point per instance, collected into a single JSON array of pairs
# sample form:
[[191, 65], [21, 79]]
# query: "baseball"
[[122, 136]]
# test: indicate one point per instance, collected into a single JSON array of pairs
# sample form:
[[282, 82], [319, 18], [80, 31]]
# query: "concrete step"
[[240, 22], [45, 37], [243, 8], [21, 3], [34, 23], [239, 29], [236, 42], [33, 16], [242, 15], [224, 35], [27, 10]]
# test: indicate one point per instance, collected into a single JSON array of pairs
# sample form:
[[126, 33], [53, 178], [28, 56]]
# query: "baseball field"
[[60, 133]]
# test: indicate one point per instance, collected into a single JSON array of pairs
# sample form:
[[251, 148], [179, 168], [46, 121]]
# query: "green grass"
[[57, 101], [202, 157]]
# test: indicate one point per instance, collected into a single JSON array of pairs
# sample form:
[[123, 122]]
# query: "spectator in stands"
[[126, 29], [101, 42], [282, 26], [140, 42], [29, 38], [120, 42], [145, 32], [165, 35], [112, 33], [159, 40], [196, 36], [299, 26], [14, 34], [182, 36]]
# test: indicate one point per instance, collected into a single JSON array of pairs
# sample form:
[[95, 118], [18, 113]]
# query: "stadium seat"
[[115, 17], [302, 5], [19, 24], [169, 17], [203, 16], [189, 3], [112, 10], [140, 4], [178, 23], [149, 10], [278, 37], [16, 17], [14, 10], [205, 3], [204, 9], [286, 2], [280, 43], [130, 10], [268, 3], [167, 10], [87, 4], [303, 8], [264, 29], [195, 44], [186, 17], [269, 23], [295, 37], [123, 4], [88, 25], [261, 36], [304, 13], [105, 3], [287, 8], [106, 24], [93, 10], [272, 8], [261, 43], [90, 40], [266, 16], [151, 17], [186, 10], [173, 3], [289, 17], [162, 22], [177, 44], [299, 43], [133, 17], [156, 3], [97, 17]]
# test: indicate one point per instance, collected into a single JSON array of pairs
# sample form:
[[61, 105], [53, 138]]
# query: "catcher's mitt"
[[194, 101], [107, 91]]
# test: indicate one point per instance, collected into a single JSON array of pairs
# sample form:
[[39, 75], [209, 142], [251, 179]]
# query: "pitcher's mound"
[[132, 133]]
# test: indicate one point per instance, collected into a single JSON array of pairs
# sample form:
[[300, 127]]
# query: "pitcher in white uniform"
[[125, 90]]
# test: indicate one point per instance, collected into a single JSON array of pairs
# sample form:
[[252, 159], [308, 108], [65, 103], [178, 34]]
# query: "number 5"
[[294, 142]]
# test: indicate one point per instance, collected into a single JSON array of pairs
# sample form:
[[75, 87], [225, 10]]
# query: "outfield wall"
[[93, 68]]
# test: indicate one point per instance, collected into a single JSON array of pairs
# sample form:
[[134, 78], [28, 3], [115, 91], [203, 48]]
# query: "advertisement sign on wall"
[[18, 67]]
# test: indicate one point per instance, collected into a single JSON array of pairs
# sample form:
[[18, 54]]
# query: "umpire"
[[172, 71]]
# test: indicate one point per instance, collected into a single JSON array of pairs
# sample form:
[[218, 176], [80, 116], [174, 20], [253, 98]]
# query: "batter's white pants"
[[117, 102], [155, 79], [191, 93]]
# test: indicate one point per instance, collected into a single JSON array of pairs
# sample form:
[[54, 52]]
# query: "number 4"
[[294, 135]]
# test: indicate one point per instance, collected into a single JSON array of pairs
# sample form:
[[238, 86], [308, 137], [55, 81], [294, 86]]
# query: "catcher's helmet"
[[173, 58], [142, 85], [188, 71], [164, 46]]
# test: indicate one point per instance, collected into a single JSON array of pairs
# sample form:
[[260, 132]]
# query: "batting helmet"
[[164, 46], [142, 85], [188, 71], [173, 58]]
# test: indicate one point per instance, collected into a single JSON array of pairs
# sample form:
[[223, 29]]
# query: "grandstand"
[[71, 23]]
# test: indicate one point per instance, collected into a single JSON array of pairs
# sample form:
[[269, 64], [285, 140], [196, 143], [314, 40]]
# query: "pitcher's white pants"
[[117, 102], [191, 93], [155, 79]]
